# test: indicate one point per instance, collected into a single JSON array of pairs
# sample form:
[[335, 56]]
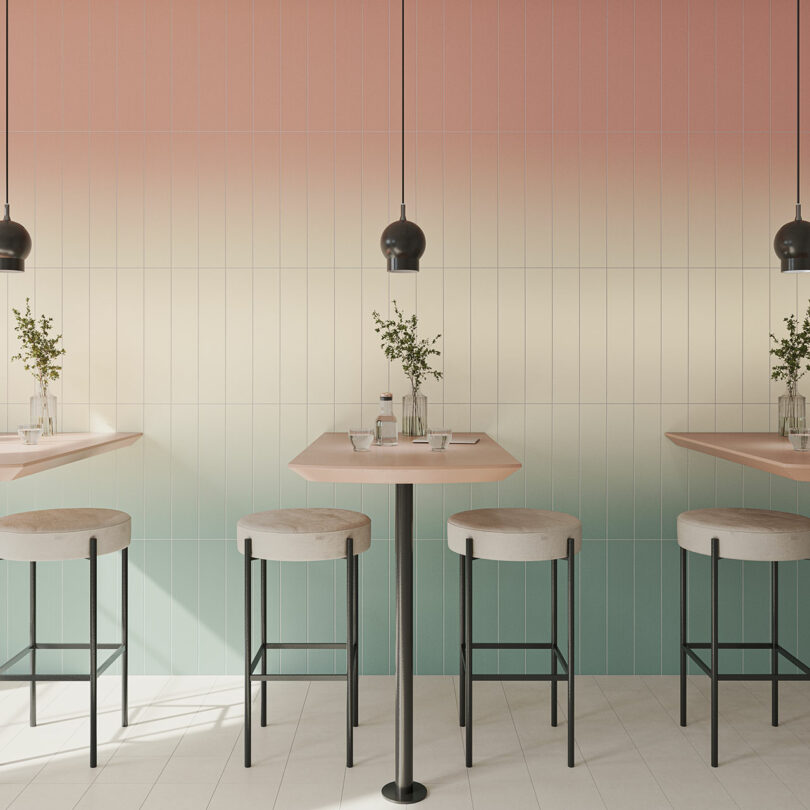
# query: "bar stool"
[[521, 535], [302, 535], [740, 534], [50, 535]]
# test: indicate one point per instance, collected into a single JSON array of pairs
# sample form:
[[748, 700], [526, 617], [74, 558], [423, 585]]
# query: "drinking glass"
[[439, 438], [800, 439], [361, 439], [29, 434]]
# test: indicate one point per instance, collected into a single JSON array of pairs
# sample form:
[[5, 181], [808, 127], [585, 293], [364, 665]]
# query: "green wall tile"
[[620, 607]]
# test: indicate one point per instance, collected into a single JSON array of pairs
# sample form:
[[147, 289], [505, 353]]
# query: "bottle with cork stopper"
[[385, 428]]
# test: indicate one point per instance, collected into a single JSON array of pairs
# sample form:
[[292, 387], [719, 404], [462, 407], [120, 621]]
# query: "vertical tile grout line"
[[661, 331]]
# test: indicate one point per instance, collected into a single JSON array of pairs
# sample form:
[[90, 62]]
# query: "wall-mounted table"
[[18, 460], [763, 451], [330, 458]]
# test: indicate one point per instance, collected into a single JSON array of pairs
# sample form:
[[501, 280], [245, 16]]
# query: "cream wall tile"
[[511, 336], [647, 335], [483, 335], [540, 326], [702, 330], [185, 336], [457, 333], [729, 333], [157, 339], [266, 334], [565, 337], [349, 331], [293, 331], [239, 318], [620, 335], [239, 204], [321, 336], [211, 337], [103, 329], [674, 335], [130, 335], [593, 335]]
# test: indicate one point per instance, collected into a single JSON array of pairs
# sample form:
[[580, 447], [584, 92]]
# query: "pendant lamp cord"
[[798, 109], [7, 212], [402, 101]]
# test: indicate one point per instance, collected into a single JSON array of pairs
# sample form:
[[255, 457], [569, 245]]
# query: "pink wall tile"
[[102, 66], [512, 37], [131, 65], [674, 62], [214, 59], [457, 64], [484, 82], [593, 66], [565, 66], [321, 65], [266, 65], [239, 64]]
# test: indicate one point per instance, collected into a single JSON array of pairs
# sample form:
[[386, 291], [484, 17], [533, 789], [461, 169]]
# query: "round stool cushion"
[[746, 534], [303, 535], [62, 534], [514, 534]]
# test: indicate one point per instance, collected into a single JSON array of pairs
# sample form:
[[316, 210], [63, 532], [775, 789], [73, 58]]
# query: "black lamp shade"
[[792, 246], [15, 245], [403, 244]]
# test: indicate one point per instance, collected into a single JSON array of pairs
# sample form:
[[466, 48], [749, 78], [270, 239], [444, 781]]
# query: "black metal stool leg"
[[570, 652], [248, 642], [32, 708], [461, 622], [356, 636], [264, 641], [683, 635], [349, 652], [553, 641], [125, 637], [468, 651], [775, 643], [93, 651], [715, 647]]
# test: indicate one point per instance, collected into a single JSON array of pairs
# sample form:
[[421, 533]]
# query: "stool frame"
[[467, 646], [351, 646], [690, 649], [116, 649]]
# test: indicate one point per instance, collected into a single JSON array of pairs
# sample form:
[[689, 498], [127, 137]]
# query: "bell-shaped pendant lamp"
[[792, 240], [15, 241], [403, 241]]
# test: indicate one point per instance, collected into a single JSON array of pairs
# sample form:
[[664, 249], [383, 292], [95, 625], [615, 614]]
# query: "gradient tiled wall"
[[599, 182]]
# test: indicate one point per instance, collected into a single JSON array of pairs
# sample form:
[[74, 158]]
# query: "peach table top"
[[764, 451], [331, 458], [18, 459]]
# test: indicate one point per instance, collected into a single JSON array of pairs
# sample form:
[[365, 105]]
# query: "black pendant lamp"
[[403, 242], [15, 241], [792, 240]]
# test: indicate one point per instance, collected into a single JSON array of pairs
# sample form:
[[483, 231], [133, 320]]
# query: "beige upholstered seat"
[[304, 535], [514, 534], [746, 534], [62, 534]]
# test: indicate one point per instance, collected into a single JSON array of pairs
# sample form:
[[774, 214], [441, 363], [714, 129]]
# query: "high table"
[[18, 460], [330, 458], [763, 451]]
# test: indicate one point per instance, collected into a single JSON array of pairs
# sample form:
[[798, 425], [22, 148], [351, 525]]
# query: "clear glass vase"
[[792, 411], [43, 410], [414, 415]]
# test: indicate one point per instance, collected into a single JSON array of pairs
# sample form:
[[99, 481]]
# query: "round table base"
[[415, 793]]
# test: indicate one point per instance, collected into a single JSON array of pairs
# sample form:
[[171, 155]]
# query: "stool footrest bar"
[[298, 677]]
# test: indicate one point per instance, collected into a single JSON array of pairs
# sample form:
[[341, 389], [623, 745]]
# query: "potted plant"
[[400, 341], [792, 350], [39, 353]]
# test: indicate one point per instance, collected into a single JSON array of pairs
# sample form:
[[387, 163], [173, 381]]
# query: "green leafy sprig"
[[400, 341], [792, 350], [39, 350]]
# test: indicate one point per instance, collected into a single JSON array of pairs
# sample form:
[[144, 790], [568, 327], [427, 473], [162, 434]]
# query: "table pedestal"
[[403, 790]]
